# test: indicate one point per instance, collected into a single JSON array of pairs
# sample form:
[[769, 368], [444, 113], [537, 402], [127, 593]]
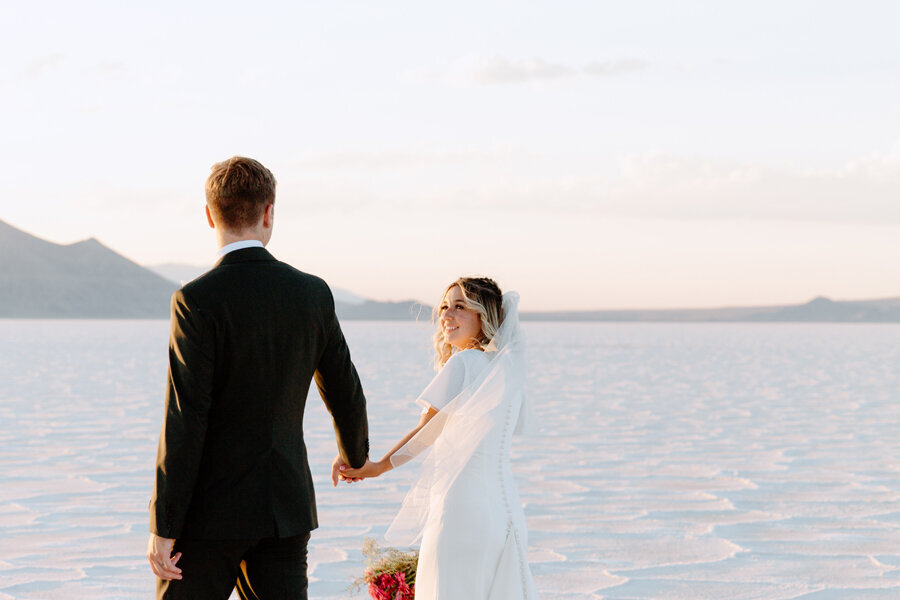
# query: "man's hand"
[[337, 468], [159, 553], [370, 469]]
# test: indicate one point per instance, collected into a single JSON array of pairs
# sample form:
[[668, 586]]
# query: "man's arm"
[[342, 393], [188, 398]]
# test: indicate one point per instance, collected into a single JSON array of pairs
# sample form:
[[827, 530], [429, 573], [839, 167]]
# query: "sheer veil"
[[456, 431]]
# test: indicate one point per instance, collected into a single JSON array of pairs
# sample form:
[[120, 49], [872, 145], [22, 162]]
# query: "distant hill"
[[178, 273], [823, 310], [40, 279], [370, 310], [349, 306], [817, 310]]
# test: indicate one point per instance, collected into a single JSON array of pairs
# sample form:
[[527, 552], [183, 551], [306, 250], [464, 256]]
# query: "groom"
[[233, 502]]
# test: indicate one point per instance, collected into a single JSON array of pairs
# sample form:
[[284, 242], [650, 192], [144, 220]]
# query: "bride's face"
[[460, 325]]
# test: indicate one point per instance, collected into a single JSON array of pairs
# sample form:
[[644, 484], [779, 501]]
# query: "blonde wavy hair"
[[483, 296]]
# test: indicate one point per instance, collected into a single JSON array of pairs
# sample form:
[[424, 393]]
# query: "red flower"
[[390, 586], [377, 593]]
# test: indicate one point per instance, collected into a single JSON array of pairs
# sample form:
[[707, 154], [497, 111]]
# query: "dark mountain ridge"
[[40, 279]]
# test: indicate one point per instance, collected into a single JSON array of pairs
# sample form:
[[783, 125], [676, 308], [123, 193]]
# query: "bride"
[[465, 508]]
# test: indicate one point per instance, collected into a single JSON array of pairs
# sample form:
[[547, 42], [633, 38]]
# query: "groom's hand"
[[337, 468], [159, 553], [370, 469]]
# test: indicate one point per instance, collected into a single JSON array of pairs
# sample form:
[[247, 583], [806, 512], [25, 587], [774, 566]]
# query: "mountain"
[[178, 273], [650, 315], [346, 297], [370, 310], [818, 310], [824, 309], [347, 304], [40, 279]]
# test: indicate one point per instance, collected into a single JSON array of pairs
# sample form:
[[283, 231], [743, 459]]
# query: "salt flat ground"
[[676, 461]]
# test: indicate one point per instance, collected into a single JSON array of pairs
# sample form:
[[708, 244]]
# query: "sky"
[[589, 154]]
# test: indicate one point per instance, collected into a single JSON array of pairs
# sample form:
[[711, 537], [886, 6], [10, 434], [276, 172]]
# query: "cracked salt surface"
[[676, 461]]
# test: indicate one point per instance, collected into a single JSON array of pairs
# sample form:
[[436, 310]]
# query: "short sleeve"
[[446, 385]]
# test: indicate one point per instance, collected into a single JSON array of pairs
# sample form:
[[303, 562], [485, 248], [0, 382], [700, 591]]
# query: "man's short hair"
[[238, 191]]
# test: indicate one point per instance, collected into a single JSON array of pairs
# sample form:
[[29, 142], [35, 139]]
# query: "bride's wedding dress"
[[465, 508]]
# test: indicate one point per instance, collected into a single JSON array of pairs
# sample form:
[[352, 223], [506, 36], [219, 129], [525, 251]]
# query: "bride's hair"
[[482, 295]]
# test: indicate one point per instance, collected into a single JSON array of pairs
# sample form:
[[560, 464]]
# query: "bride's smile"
[[460, 325]]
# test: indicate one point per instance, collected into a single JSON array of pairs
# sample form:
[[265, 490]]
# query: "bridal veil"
[[456, 431]]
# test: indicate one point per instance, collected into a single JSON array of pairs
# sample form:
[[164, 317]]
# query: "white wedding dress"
[[465, 508]]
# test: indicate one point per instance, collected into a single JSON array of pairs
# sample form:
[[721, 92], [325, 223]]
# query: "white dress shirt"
[[239, 246]]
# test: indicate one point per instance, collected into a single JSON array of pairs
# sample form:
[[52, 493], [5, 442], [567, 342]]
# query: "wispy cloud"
[[661, 186], [41, 65], [652, 186], [493, 70], [393, 159], [497, 69], [862, 190], [603, 68], [109, 68]]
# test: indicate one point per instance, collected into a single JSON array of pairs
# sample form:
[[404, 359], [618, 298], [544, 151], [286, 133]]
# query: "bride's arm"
[[443, 388], [374, 469]]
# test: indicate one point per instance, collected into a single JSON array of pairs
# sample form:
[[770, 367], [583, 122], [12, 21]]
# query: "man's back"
[[233, 502], [247, 338]]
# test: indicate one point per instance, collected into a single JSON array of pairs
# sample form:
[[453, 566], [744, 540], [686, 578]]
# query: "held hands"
[[337, 474], [344, 472], [370, 469], [159, 553], [341, 471]]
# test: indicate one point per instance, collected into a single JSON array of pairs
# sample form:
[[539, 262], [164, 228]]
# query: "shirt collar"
[[239, 246]]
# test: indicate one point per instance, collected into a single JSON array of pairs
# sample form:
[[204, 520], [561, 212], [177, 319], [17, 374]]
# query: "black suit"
[[246, 340]]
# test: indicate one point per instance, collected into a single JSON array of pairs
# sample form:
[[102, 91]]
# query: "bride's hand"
[[337, 474], [370, 469]]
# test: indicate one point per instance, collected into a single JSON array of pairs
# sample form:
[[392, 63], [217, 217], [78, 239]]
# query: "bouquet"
[[390, 573]]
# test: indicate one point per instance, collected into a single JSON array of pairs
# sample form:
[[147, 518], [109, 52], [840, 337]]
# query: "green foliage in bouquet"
[[389, 562]]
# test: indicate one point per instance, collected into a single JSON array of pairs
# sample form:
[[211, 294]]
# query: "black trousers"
[[267, 569]]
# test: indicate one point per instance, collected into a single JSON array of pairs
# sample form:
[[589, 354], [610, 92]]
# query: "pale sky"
[[587, 154]]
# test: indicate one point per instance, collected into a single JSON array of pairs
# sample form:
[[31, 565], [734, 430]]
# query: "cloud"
[[603, 68], [865, 190], [895, 149], [655, 186], [651, 186], [661, 186], [494, 70], [393, 160], [42, 64], [109, 68]]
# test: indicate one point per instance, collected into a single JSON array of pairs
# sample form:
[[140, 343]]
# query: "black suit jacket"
[[246, 340]]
